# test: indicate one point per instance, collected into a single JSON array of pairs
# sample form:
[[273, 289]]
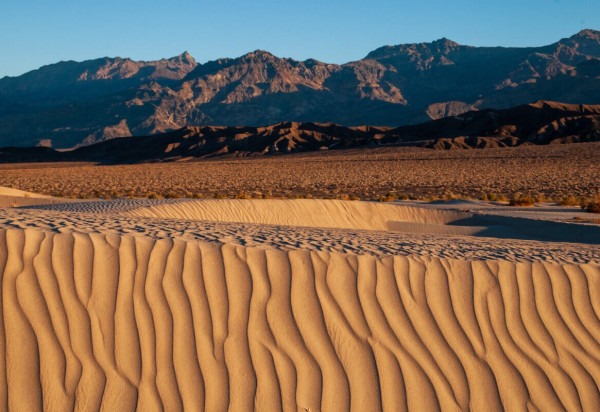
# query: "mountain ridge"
[[539, 123], [71, 104]]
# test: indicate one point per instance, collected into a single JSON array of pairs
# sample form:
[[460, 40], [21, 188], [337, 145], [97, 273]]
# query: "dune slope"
[[10, 197], [362, 216], [122, 322], [299, 212]]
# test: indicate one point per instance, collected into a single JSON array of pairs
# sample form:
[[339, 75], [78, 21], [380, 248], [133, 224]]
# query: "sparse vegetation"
[[592, 205], [385, 174], [242, 195], [389, 197], [522, 200], [571, 201]]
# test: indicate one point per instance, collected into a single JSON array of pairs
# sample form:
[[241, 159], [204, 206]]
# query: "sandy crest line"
[[358, 242], [125, 322]]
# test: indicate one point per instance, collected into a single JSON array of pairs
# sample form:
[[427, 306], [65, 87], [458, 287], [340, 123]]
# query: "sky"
[[34, 33]]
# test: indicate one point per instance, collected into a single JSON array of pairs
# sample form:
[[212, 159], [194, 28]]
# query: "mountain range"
[[72, 104], [538, 123]]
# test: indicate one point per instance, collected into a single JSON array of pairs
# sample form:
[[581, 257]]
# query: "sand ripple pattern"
[[105, 206], [371, 242], [95, 321]]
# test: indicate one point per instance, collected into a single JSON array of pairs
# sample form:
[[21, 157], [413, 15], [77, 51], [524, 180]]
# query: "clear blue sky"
[[38, 32]]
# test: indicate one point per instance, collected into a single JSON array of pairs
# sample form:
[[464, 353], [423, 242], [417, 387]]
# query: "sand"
[[10, 197], [312, 305]]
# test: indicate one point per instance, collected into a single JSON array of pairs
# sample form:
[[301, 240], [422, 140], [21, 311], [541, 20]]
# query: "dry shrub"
[[521, 200], [172, 195], [571, 201], [492, 197], [389, 197], [242, 195], [592, 205], [297, 196]]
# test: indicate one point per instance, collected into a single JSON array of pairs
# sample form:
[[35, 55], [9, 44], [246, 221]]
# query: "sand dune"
[[68, 218], [368, 216], [7, 191], [126, 322], [10, 197], [300, 212], [142, 306]]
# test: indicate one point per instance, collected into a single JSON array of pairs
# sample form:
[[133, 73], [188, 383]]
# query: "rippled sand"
[[295, 305]]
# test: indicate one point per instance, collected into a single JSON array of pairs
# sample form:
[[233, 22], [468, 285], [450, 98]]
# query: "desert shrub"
[[521, 200], [571, 201], [592, 205], [493, 197], [429, 199], [153, 196], [297, 196], [242, 195], [449, 196], [220, 195], [354, 197], [389, 197], [172, 195]]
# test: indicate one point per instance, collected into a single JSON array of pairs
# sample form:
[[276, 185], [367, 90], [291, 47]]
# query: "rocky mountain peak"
[[417, 51], [587, 34], [444, 44], [185, 58], [261, 55]]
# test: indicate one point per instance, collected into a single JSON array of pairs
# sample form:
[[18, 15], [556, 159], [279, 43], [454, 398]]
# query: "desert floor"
[[300, 305], [553, 171]]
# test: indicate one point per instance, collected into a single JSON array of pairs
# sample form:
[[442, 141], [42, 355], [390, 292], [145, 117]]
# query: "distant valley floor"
[[552, 171]]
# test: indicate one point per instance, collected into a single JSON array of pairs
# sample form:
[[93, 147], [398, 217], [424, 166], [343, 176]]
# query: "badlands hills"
[[69, 104], [538, 123]]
